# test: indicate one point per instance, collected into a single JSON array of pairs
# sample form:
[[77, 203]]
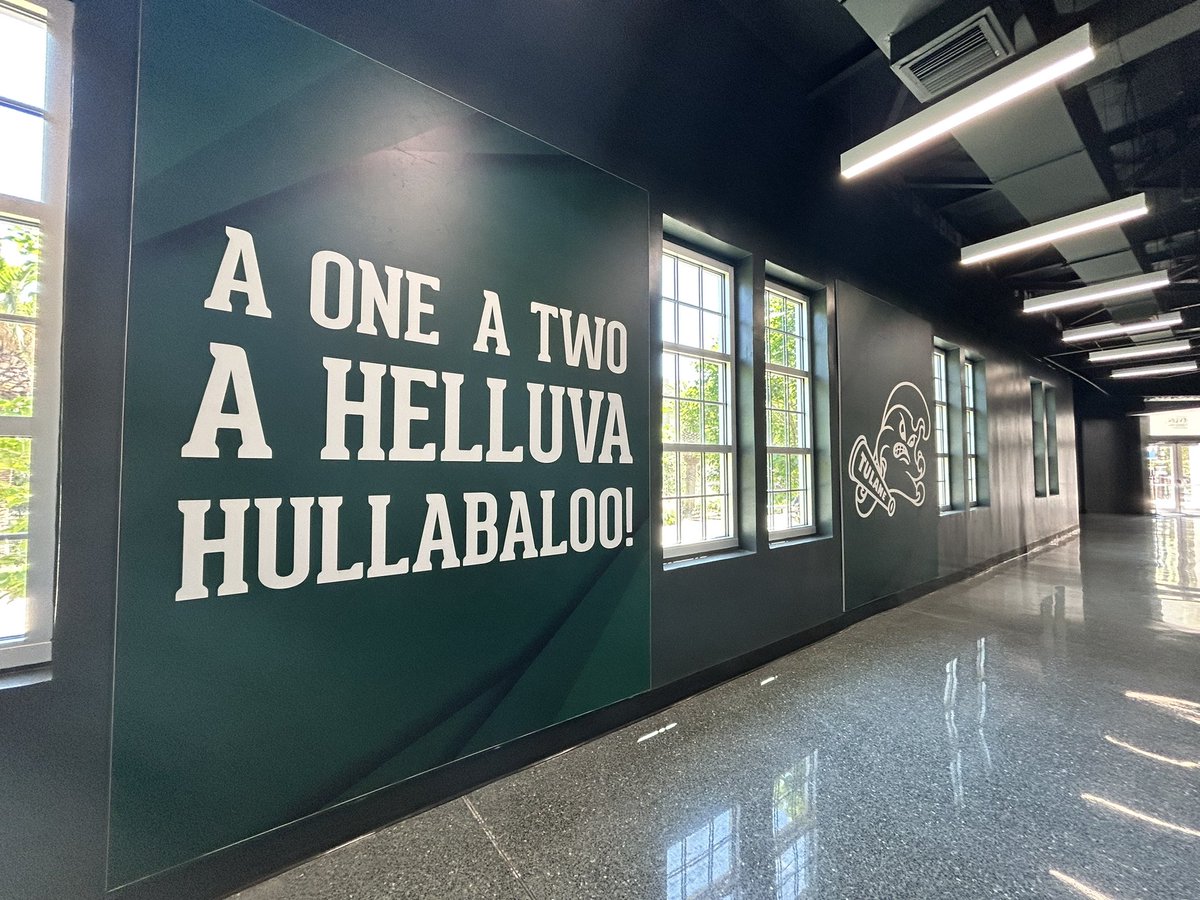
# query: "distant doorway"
[[1174, 472]]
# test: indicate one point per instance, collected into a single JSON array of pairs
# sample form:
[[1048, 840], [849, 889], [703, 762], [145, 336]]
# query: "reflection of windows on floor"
[[702, 865], [794, 822], [794, 868]]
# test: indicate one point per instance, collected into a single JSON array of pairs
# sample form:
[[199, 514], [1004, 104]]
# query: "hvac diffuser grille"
[[955, 57]]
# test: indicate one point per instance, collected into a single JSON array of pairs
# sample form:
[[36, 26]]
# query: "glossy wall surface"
[[55, 746]]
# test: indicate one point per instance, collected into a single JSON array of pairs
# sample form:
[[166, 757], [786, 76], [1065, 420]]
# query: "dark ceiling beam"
[[866, 54], [1180, 111], [950, 184], [1176, 157]]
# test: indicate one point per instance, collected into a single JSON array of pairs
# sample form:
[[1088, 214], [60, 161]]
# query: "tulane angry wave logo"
[[895, 465]]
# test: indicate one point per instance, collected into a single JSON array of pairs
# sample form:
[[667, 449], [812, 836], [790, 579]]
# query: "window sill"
[[18, 678], [684, 562], [18, 655], [951, 512], [798, 540]]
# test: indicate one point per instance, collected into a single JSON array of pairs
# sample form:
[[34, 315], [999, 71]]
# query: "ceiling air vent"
[[955, 57]]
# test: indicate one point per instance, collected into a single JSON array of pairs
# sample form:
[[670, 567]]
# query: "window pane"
[[691, 526], [670, 512], [668, 321], [20, 154], [714, 291], [714, 332], [20, 254], [14, 604], [668, 276], [22, 58], [14, 484], [689, 283], [670, 483], [714, 474], [669, 419], [16, 368], [716, 525], [689, 474], [689, 326], [689, 422]]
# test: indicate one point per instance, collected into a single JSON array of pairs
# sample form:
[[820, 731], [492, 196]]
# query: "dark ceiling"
[[739, 108]]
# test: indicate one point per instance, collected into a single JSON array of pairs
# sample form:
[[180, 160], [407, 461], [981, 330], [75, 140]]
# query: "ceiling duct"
[[953, 56]]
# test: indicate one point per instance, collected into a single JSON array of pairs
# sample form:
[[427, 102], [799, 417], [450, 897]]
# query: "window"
[[789, 404], [971, 422], [34, 82], [941, 427], [697, 404], [1037, 402], [1051, 404]]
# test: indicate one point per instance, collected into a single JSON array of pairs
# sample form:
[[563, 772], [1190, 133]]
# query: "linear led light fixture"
[[1163, 369], [1164, 347], [1174, 398], [1056, 229], [1032, 71], [1094, 293], [1112, 329]]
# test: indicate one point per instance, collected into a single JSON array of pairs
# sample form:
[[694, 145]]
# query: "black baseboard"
[[233, 868]]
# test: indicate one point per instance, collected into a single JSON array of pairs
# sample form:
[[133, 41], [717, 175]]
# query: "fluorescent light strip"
[[1041, 67], [1112, 329], [1164, 369], [1057, 229], [1175, 398], [1100, 356], [1094, 293]]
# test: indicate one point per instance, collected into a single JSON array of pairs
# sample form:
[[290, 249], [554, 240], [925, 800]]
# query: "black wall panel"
[[1112, 466]]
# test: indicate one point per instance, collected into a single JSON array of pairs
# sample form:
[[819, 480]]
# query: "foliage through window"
[[698, 511], [34, 79], [789, 405], [971, 435]]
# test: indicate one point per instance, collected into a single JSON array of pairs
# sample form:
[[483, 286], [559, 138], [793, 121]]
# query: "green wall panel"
[[240, 711]]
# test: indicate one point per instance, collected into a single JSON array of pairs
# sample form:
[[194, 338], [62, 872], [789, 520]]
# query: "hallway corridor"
[[1031, 732]]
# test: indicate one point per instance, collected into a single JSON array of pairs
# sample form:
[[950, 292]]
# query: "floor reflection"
[[1177, 571], [701, 866], [794, 822]]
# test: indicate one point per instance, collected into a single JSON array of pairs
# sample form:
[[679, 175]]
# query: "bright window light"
[[1057, 229], [1163, 369], [1094, 293], [1039, 68], [1102, 356], [1112, 329]]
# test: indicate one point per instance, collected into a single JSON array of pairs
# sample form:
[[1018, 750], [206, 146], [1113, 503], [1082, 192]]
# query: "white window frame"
[[941, 428], [34, 647], [803, 449], [729, 447], [970, 431]]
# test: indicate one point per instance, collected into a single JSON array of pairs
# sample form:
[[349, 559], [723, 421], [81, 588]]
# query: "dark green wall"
[[639, 112]]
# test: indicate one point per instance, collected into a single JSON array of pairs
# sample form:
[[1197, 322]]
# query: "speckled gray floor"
[[1033, 732]]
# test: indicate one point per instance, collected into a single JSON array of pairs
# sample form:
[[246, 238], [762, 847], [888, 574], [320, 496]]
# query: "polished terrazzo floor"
[[1031, 732]]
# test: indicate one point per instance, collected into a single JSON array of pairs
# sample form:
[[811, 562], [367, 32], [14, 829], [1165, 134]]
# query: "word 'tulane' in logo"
[[895, 465]]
